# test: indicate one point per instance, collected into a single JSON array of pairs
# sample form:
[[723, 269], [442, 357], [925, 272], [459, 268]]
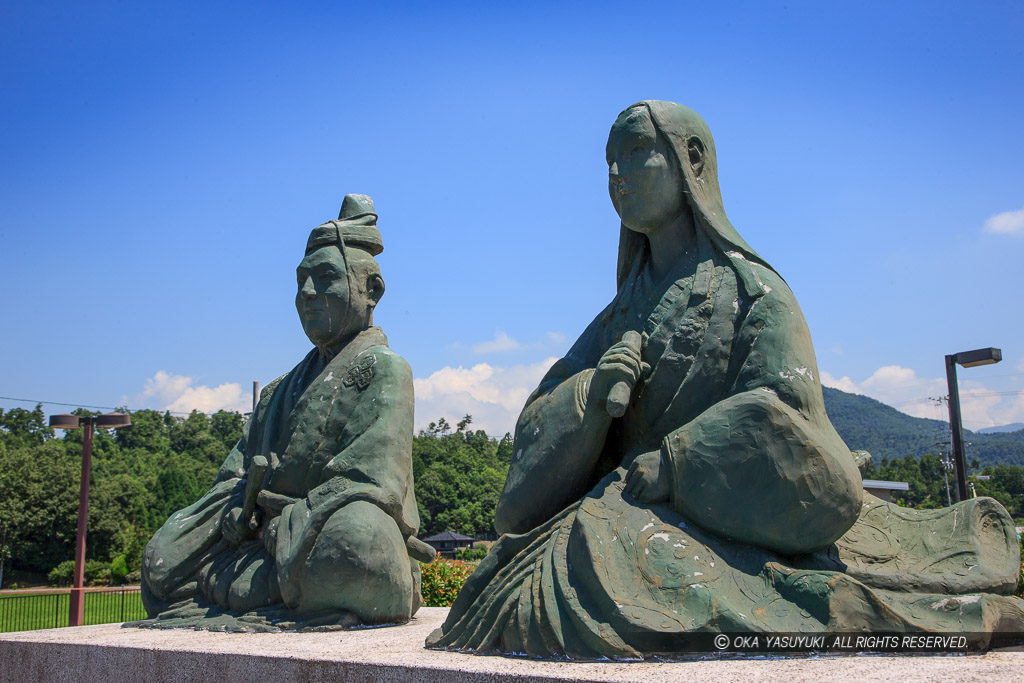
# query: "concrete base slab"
[[111, 653]]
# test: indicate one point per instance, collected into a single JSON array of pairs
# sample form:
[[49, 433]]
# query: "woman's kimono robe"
[[335, 434], [767, 528]]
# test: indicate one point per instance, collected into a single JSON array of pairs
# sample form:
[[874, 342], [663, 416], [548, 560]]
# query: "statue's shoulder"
[[268, 391], [374, 364]]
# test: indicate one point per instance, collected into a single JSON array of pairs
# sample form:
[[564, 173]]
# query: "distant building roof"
[[886, 485], [448, 536]]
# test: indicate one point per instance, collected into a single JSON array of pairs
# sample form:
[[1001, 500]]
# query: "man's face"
[[323, 299]]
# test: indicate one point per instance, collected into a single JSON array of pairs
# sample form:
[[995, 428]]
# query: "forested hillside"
[[883, 431]]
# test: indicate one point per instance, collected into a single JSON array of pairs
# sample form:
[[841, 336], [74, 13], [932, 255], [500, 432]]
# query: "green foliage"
[[118, 570], [442, 580], [140, 475], [20, 427], [459, 476], [471, 554], [96, 572], [927, 478]]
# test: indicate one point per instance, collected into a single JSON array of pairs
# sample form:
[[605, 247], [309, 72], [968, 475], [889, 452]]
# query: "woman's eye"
[[638, 148]]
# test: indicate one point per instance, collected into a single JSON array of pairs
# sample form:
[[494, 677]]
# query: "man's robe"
[[334, 433]]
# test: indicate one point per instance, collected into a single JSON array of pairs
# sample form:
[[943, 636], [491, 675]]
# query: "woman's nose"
[[307, 291], [613, 174]]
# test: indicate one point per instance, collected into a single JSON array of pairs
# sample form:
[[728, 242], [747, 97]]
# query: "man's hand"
[[647, 479]]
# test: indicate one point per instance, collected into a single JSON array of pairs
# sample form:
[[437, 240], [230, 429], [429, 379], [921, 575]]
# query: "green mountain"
[[883, 431], [1012, 427]]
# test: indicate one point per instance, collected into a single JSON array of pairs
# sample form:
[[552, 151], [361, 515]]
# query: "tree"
[[458, 477], [140, 475]]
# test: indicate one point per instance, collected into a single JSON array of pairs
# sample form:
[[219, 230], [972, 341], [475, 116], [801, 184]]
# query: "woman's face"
[[643, 179]]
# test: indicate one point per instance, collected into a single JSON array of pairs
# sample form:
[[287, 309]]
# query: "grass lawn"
[[30, 610]]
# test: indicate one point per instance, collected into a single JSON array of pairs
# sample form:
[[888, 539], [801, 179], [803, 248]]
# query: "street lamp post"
[[76, 608], [967, 359]]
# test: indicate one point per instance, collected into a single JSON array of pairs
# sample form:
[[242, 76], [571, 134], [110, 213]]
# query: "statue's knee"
[[359, 563]]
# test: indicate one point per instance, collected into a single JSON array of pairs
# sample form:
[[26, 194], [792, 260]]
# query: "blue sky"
[[161, 166]]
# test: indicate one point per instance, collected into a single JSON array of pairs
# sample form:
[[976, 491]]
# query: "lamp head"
[[113, 420], [65, 421], [970, 359]]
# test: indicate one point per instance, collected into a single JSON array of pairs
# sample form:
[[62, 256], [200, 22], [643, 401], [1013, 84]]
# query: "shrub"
[[62, 574], [442, 580], [476, 553], [118, 570], [96, 572]]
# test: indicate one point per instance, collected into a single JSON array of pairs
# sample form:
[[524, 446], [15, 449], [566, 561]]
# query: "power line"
[[82, 405], [963, 395]]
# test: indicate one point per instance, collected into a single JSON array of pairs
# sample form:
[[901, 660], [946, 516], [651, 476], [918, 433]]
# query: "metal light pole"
[[967, 359], [76, 609]]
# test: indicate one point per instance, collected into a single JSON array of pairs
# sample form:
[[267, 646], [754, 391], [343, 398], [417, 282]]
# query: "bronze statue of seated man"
[[311, 521]]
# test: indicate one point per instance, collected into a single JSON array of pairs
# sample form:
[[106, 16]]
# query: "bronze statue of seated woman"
[[676, 472]]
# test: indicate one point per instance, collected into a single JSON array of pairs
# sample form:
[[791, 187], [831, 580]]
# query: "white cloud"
[[494, 396], [501, 343], [1006, 223], [177, 394], [843, 383], [902, 389]]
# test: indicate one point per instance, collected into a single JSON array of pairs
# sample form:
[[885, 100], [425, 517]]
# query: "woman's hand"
[[269, 535], [647, 479], [619, 364], [234, 530]]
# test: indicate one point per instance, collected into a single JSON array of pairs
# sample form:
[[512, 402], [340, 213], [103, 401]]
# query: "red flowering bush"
[[442, 580]]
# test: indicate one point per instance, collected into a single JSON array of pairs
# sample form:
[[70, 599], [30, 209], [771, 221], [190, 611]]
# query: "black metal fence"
[[30, 609]]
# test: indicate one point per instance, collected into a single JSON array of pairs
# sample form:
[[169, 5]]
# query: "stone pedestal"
[[111, 653]]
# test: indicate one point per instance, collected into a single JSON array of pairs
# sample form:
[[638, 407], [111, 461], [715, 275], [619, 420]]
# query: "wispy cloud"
[[501, 343], [555, 337], [493, 395], [176, 393], [504, 342], [1006, 223]]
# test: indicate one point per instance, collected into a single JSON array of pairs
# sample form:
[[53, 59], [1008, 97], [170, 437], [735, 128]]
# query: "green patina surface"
[[719, 497], [311, 521]]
